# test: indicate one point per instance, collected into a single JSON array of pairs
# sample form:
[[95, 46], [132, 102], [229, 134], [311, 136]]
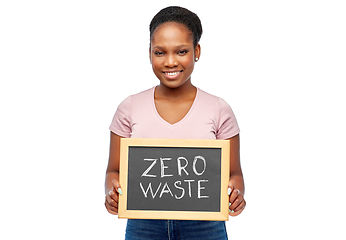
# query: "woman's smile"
[[172, 75]]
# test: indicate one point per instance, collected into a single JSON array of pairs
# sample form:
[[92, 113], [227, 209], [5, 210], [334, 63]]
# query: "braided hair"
[[178, 15]]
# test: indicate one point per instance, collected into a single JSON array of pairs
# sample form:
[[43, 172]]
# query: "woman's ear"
[[197, 52]]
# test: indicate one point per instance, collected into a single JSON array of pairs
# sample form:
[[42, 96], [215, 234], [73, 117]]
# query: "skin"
[[172, 51]]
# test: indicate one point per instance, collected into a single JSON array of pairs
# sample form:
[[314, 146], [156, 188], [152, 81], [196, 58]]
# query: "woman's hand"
[[237, 202], [112, 198]]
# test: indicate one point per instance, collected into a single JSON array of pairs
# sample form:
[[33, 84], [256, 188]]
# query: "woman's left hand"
[[237, 202]]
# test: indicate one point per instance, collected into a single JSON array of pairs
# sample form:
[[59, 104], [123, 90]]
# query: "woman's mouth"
[[172, 74]]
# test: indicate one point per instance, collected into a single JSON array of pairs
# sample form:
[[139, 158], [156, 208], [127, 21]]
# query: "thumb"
[[117, 186], [231, 185]]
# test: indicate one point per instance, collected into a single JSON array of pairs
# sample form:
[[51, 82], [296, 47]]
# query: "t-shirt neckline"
[[181, 120]]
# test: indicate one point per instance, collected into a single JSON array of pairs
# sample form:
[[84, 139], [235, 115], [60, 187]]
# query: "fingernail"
[[110, 192], [232, 211], [229, 191], [120, 191], [229, 204]]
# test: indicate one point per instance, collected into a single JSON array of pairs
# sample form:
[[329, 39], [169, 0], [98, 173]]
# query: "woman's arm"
[[236, 188], [112, 186]]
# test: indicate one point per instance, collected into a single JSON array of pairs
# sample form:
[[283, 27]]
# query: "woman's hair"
[[178, 15]]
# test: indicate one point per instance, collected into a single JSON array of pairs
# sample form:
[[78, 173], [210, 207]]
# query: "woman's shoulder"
[[143, 94], [208, 97], [215, 102], [139, 96]]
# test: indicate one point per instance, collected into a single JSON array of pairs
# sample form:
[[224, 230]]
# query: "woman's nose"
[[171, 61]]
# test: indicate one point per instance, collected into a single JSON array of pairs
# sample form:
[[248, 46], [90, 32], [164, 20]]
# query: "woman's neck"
[[185, 91]]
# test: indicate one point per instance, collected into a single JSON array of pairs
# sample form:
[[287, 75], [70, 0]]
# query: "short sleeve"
[[121, 123], [227, 125]]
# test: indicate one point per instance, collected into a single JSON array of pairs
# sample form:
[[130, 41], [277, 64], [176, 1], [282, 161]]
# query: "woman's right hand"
[[112, 198]]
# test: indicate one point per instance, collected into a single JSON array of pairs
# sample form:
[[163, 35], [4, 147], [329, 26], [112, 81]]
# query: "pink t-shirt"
[[209, 117]]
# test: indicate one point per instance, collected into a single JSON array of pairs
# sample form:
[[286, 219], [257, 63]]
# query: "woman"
[[175, 109]]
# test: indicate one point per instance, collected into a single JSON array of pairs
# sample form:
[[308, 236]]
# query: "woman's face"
[[172, 54]]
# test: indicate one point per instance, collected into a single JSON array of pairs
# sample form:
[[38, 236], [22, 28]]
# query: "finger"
[[241, 206], [234, 214], [235, 193], [231, 185], [111, 209], [238, 210], [237, 202], [112, 200], [114, 195], [117, 186]]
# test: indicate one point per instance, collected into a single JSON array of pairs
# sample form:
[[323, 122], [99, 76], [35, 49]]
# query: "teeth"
[[171, 73]]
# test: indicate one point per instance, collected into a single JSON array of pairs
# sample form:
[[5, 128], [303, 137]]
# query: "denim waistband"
[[138, 229]]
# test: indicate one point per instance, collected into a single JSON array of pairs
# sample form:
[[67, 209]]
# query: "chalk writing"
[[179, 187]]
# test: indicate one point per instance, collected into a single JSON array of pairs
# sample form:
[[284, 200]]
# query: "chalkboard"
[[174, 179]]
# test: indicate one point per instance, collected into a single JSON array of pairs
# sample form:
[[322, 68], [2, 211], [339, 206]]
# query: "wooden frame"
[[222, 215]]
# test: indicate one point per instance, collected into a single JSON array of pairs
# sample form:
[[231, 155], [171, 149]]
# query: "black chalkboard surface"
[[174, 179]]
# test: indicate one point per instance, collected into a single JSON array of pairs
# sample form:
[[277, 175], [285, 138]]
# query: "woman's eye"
[[158, 53], [182, 52]]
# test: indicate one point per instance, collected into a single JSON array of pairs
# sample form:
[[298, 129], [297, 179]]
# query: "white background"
[[66, 65]]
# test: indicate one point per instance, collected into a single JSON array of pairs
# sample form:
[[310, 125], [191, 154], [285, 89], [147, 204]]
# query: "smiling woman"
[[179, 110], [173, 55]]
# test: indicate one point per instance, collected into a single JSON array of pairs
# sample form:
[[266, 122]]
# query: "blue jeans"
[[138, 229]]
